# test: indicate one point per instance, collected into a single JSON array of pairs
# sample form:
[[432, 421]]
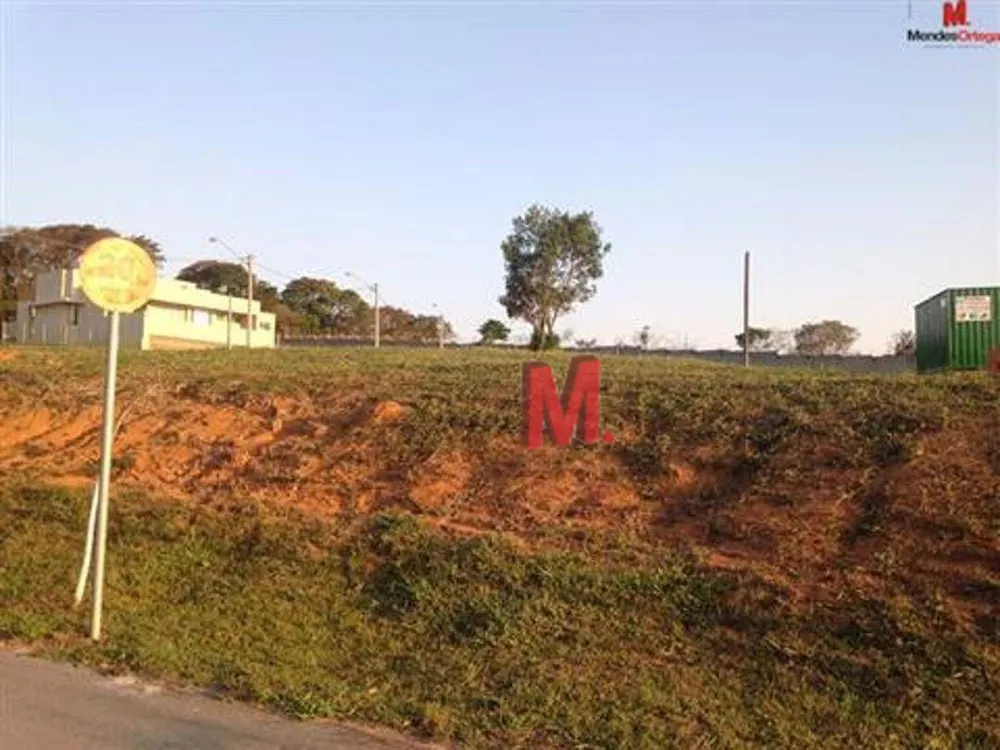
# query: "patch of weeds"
[[390, 590], [876, 504], [892, 430], [303, 704], [767, 432], [887, 562], [644, 457], [28, 626]]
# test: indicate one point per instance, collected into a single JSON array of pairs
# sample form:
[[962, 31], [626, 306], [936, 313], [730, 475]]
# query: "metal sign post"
[[107, 447], [119, 277]]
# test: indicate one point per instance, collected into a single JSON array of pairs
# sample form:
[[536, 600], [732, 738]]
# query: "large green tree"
[[319, 306], [27, 251], [760, 339], [425, 329], [492, 331], [825, 337], [325, 306], [217, 275], [552, 260]]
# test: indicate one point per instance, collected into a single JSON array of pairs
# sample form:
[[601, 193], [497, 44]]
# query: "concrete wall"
[[171, 323], [53, 324], [850, 362], [55, 286]]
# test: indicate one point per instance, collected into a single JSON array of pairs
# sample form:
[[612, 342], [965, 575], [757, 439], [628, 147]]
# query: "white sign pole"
[[119, 277], [107, 447], [88, 551]]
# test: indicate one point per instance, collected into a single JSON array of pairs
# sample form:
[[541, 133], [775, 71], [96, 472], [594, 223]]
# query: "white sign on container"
[[973, 309]]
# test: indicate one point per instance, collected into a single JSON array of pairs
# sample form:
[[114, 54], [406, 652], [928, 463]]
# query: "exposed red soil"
[[798, 529]]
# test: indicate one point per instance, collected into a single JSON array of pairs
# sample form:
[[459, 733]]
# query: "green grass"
[[466, 397], [473, 641], [615, 641]]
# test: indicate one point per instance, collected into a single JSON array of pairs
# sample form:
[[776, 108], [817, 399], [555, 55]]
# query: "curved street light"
[[249, 261]]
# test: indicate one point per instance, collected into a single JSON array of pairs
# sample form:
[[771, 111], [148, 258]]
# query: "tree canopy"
[[492, 331], [903, 343], [310, 305], [825, 337], [217, 275], [28, 251], [552, 260], [400, 324], [760, 339], [326, 306]]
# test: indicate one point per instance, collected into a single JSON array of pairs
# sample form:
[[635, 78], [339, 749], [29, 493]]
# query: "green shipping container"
[[957, 329]]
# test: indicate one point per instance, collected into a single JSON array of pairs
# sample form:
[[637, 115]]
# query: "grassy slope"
[[602, 638]]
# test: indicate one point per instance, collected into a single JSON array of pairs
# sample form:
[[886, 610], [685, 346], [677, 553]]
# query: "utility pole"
[[249, 262], [746, 309], [249, 300], [375, 291], [373, 288]]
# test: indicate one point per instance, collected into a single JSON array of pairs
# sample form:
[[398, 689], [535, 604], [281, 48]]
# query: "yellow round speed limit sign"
[[117, 275]]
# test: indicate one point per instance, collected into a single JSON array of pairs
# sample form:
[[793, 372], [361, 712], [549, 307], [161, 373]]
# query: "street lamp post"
[[249, 261], [373, 288]]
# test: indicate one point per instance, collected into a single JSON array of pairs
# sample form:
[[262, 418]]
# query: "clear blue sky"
[[399, 140]]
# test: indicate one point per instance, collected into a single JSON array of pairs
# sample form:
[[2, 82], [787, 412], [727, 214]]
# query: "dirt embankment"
[[810, 522]]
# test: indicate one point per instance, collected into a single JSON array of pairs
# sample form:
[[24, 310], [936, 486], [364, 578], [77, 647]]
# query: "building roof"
[[188, 294]]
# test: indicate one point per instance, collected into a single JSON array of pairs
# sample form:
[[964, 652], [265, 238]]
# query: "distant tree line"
[[552, 260], [815, 338], [304, 306], [822, 338], [313, 306]]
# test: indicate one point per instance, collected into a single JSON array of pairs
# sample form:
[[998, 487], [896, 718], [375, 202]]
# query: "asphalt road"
[[61, 707]]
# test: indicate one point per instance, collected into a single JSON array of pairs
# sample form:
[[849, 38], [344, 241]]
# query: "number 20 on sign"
[[576, 413]]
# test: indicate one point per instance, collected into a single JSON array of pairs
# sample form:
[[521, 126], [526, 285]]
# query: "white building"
[[178, 316]]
